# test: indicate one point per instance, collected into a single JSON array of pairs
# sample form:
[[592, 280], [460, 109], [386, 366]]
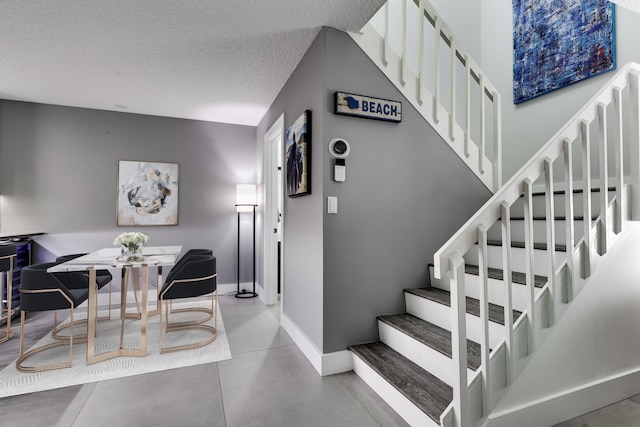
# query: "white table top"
[[154, 255]]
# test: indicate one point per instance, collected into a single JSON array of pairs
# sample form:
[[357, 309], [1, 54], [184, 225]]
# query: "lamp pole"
[[246, 202]]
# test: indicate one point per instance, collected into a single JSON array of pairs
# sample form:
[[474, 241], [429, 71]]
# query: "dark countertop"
[[16, 236]]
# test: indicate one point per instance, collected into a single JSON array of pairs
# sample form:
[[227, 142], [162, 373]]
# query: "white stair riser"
[[495, 289], [442, 315], [539, 204], [427, 358], [398, 402], [518, 259], [539, 231]]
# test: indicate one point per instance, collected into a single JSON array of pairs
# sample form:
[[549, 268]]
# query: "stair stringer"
[[372, 44]]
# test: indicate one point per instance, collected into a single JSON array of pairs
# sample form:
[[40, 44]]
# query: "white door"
[[273, 215]]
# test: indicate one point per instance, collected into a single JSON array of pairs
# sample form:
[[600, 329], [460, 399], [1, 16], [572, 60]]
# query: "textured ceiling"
[[633, 5], [214, 60]]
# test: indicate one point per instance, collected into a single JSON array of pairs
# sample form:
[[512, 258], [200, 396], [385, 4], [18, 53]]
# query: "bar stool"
[[7, 262]]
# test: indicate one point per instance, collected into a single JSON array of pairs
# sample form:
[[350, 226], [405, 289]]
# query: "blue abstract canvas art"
[[560, 42]]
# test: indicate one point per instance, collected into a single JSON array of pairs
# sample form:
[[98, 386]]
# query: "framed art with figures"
[[298, 156]]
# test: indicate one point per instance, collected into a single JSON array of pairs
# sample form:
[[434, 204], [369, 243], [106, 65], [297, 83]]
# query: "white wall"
[[528, 126], [461, 17]]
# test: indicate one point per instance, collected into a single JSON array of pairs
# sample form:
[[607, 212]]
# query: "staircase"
[[501, 283], [414, 356]]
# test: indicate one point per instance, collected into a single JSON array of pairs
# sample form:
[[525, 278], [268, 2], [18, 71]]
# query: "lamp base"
[[246, 294]]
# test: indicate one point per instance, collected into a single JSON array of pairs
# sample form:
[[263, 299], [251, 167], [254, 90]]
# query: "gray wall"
[[303, 216], [58, 173], [405, 194]]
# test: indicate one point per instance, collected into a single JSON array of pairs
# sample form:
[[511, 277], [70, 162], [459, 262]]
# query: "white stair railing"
[[415, 49], [597, 132]]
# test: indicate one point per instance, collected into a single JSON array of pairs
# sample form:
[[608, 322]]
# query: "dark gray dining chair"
[[7, 263], [43, 291], [195, 251], [193, 276]]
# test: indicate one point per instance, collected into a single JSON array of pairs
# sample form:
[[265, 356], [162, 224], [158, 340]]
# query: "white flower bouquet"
[[132, 242]]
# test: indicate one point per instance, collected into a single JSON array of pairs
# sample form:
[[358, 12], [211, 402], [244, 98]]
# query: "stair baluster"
[[459, 340], [603, 138], [619, 163], [484, 316], [569, 215], [586, 201], [551, 239]]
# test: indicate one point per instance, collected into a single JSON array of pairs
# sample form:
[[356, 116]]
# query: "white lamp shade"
[[245, 197]]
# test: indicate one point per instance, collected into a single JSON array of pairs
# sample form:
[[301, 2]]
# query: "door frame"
[[273, 196]]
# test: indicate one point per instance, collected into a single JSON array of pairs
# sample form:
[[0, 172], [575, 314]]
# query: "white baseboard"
[[325, 364], [337, 362], [568, 404]]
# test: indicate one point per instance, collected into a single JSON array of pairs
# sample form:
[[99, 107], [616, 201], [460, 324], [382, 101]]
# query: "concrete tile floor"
[[268, 382], [625, 413]]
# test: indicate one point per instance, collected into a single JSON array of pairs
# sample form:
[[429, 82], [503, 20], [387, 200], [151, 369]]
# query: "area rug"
[[13, 382]]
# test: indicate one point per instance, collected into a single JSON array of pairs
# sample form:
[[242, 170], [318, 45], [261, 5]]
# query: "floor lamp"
[[246, 202]]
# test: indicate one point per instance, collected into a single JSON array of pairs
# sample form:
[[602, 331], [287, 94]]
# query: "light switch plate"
[[332, 205]]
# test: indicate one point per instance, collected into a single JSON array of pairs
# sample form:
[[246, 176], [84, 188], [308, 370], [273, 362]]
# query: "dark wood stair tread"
[[497, 274], [555, 218], [432, 335], [426, 391], [521, 245], [575, 191], [496, 312]]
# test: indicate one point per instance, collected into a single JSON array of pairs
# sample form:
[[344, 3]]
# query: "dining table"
[[138, 272]]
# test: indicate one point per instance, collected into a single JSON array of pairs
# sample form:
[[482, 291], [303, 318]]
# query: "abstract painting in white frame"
[[147, 193]]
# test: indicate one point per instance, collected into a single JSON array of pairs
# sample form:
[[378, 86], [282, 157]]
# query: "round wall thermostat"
[[339, 148]]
